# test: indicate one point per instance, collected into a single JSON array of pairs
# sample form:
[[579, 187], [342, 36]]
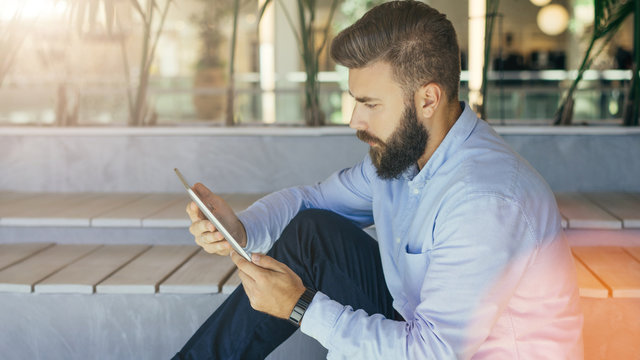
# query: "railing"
[[515, 98]]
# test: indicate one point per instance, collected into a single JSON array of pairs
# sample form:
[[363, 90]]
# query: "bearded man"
[[470, 259]]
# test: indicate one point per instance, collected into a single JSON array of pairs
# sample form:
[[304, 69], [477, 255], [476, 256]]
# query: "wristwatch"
[[301, 306]]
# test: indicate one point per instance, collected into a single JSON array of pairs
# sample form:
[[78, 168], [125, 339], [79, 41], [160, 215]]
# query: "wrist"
[[301, 306]]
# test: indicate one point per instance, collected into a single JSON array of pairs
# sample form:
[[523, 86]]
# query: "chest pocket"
[[414, 270]]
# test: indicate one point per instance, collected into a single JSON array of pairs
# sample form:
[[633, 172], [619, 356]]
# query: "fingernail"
[[256, 257], [210, 227], [193, 206]]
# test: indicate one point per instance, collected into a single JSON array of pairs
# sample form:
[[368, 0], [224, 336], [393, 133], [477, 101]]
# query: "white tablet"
[[205, 210]]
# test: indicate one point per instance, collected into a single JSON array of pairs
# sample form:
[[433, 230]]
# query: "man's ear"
[[428, 99]]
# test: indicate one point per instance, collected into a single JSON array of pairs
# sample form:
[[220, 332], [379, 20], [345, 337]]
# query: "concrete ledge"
[[105, 326], [260, 160]]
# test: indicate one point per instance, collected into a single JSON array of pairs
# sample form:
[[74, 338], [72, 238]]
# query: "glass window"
[[65, 62]]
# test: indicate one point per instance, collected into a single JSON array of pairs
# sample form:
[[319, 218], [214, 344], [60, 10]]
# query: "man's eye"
[[371, 106]]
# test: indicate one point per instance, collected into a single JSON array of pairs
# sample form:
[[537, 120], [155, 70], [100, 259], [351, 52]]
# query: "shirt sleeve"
[[346, 192], [480, 250]]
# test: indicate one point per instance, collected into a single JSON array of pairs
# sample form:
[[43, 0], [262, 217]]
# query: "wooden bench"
[[111, 269], [608, 277], [580, 211], [603, 229], [103, 210]]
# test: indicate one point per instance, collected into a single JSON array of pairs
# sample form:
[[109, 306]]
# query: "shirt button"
[[398, 240], [416, 191]]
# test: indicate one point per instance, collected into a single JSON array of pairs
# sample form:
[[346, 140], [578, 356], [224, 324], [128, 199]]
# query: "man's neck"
[[442, 122]]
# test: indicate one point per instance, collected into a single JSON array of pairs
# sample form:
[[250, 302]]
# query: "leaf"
[[608, 17], [263, 9]]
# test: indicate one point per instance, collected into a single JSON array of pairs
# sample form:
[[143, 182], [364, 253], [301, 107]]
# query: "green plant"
[[490, 19], [352, 10], [632, 105], [609, 16], [229, 119], [210, 22], [310, 49], [86, 12], [11, 40]]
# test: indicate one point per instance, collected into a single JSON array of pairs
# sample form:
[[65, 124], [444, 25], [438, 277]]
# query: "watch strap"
[[301, 306]]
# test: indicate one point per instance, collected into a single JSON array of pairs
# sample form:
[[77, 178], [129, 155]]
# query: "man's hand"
[[271, 286], [205, 233]]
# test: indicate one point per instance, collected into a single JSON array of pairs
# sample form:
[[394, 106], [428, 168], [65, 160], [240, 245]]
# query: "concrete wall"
[[113, 326], [263, 160], [44, 326]]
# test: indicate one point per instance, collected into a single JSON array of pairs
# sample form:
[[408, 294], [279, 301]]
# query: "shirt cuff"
[[250, 223], [319, 319]]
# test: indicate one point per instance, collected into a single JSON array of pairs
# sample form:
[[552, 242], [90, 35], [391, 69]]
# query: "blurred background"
[[139, 62]]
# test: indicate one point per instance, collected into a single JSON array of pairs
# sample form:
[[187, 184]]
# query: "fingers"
[[201, 226], [247, 281], [267, 262], [219, 247], [245, 266], [194, 213]]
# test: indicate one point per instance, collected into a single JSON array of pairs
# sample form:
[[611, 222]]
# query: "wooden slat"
[[232, 283], [70, 210], [633, 251], [98, 205], [18, 204], [623, 206], [588, 284], [84, 274], [131, 214], [13, 253], [202, 274], [619, 271], [46, 210], [10, 197], [22, 276], [172, 216], [142, 275], [584, 214], [80, 214]]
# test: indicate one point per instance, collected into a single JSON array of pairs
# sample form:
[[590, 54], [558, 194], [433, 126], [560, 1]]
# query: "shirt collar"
[[458, 133]]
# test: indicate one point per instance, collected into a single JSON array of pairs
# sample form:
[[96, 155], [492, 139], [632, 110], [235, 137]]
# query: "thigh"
[[333, 255]]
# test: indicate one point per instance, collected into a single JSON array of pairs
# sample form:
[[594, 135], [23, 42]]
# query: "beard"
[[403, 148]]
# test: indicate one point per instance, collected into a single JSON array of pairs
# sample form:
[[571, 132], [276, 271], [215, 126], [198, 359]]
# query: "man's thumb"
[[266, 262]]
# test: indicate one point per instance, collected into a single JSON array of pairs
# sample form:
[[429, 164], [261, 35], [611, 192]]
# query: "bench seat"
[[596, 210], [119, 274], [608, 277]]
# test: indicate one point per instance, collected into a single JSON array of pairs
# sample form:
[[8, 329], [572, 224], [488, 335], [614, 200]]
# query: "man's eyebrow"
[[363, 99]]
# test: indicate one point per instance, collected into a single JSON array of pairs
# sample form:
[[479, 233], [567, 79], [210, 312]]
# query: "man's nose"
[[358, 121]]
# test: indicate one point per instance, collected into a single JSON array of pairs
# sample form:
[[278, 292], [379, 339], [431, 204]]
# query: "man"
[[470, 261]]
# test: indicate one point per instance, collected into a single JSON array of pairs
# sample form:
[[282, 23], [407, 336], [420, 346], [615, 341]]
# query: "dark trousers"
[[330, 254]]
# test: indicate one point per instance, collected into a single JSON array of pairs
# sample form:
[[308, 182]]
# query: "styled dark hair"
[[417, 41]]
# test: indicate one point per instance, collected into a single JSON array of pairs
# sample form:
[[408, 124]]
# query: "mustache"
[[368, 138]]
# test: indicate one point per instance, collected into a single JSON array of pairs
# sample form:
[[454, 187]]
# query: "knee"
[[306, 225], [312, 218]]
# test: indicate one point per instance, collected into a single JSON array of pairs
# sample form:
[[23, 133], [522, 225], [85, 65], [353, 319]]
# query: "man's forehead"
[[372, 82]]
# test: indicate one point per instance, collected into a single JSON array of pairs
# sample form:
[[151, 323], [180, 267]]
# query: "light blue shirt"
[[472, 251]]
